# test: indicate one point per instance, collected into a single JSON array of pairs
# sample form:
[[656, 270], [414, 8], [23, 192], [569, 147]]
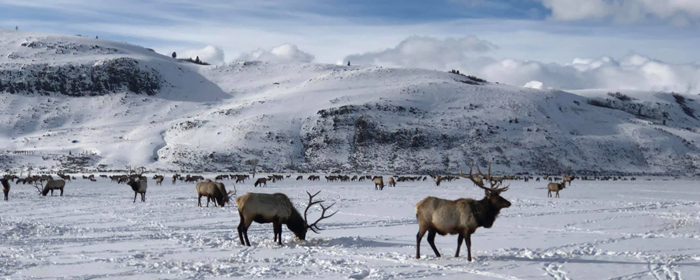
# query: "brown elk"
[[437, 178], [5, 188], [378, 182], [214, 191], [159, 179], [138, 185], [392, 183], [276, 209], [462, 216], [261, 182], [555, 187], [568, 179], [51, 185]]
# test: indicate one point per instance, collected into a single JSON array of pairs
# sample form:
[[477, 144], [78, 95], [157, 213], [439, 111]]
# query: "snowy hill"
[[117, 104]]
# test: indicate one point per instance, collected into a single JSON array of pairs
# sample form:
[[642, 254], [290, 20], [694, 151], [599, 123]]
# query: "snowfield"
[[596, 230]]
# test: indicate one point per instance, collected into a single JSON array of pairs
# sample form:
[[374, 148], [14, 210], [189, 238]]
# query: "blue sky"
[[545, 31], [525, 29]]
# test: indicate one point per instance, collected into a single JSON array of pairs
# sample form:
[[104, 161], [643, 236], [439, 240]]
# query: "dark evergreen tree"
[[174, 55]]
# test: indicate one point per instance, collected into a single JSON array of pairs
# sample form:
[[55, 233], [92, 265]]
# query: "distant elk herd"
[[435, 215]]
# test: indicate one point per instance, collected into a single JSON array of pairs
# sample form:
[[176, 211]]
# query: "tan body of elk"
[[241, 178], [437, 178], [159, 179], [214, 191], [392, 183], [555, 187], [139, 186], [276, 209], [5, 188], [568, 179], [378, 183], [261, 182], [51, 185], [462, 216]]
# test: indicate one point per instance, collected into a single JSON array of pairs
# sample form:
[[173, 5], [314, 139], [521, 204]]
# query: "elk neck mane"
[[484, 212]]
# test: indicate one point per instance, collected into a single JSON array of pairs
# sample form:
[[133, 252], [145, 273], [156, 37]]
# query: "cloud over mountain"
[[282, 53], [471, 55]]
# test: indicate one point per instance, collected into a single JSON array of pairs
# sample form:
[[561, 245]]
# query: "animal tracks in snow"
[[596, 230]]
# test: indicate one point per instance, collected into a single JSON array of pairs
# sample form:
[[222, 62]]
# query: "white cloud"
[[208, 54], [631, 72], [426, 52], [677, 12], [534, 84], [283, 53]]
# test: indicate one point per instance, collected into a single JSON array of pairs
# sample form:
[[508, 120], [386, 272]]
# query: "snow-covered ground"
[[596, 230], [126, 105]]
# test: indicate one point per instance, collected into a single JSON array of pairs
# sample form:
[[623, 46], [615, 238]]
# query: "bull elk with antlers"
[[276, 209], [462, 216], [214, 191], [51, 185]]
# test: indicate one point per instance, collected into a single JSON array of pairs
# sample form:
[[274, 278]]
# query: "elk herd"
[[435, 216]]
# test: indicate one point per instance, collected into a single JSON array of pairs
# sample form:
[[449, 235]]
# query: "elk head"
[[230, 194], [493, 193], [301, 234]]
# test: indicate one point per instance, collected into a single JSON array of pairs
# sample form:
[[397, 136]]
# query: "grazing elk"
[[5, 188], [300, 177], [138, 185], [52, 184], [261, 182], [392, 183], [462, 216], [276, 209], [378, 183], [214, 191], [555, 187]]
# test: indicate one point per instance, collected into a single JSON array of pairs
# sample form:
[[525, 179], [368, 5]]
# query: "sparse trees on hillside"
[[253, 164]]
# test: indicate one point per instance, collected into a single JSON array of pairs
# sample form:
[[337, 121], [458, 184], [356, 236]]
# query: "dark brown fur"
[[5, 188]]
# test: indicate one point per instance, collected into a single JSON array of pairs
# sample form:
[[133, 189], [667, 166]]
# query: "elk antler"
[[229, 194], [314, 227], [479, 179], [37, 183]]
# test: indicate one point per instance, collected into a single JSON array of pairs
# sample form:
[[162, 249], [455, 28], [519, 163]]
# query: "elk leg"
[[241, 225], [468, 240], [419, 237], [199, 200], [549, 193], [431, 241], [208, 200], [143, 197], [460, 239], [245, 231], [135, 194], [61, 191], [277, 228]]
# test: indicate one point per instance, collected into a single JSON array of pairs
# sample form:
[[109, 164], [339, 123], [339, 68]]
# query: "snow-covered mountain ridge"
[[118, 104]]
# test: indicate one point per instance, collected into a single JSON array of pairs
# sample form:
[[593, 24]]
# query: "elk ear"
[[487, 193]]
